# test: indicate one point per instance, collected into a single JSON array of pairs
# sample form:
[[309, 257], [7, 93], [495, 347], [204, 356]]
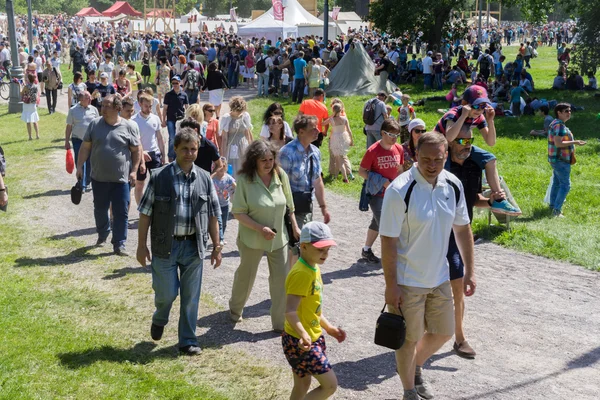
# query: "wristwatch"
[[218, 248]]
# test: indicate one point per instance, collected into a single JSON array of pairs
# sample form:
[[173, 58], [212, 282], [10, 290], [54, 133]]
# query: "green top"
[[265, 205]]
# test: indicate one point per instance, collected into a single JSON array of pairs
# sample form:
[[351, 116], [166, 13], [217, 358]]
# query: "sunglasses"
[[464, 141], [568, 111], [479, 106], [419, 131], [392, 135]]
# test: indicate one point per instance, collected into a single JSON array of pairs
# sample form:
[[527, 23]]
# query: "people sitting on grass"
[[592, 83], [543, 111]]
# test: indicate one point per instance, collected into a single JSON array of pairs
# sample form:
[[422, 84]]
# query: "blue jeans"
[[115, 194], [166, 282], [372, 137], [172, 132], [263, 84], [87, 166], [223, 221], [438, 81], [232, 78], [298, 92], [561, 184], [428, 81]]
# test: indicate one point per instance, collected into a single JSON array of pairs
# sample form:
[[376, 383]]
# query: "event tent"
[[121, 7], [185, 19], [89, 12], [345, 21], [266, 26], [354, 74]]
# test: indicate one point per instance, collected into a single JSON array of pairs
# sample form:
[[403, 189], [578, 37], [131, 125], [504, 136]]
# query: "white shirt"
[[427, 65], [285, 79], [154, 110], [108, 68], [149, 126], [4, 55], [264, 131], [423, 232], [39, 64], [393, 56]]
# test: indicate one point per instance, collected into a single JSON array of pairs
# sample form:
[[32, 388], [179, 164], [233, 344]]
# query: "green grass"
[[69, 330], [522, 161]]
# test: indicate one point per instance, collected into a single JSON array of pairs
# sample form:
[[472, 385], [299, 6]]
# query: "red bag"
[[70, 162]]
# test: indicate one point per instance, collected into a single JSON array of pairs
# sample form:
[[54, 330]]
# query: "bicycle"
[[4, 85]]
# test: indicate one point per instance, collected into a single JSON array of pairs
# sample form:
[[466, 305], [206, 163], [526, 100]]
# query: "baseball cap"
[[104, 75], [475, 95], [416, 122], [318, 234], [176, 78], [429, 52]]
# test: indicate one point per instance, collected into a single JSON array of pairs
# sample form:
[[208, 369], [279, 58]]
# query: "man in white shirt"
[[153, 145], [108, 67], [428, 71], [5, 58], [414, 246]]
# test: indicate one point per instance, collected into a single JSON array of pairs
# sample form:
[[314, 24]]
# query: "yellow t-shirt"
[[305, 281]]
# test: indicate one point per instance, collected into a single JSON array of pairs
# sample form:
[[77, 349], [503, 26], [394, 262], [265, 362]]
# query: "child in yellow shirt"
[[302, 339]]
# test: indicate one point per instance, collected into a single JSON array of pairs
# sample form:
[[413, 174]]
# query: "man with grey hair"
[[78, 119], [114, 146], [414, 247]]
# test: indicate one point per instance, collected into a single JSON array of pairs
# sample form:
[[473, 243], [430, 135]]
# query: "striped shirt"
[[453, 115], [295, 161]]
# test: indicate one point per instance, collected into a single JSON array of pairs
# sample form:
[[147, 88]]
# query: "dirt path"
[[534, 322]]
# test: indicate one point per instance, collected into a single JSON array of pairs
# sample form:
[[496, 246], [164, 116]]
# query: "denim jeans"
[[166, 282], [223, 221], [372, 137], [298, 93], [192, 95], [172, 132], [561, 184], [263, 84], [438, 81], [87, 166], [232, 78], [113, 194]]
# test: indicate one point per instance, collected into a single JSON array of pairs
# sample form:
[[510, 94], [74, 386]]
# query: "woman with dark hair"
[[561, 155], [277, 133], [75, 89], [416, 128], [216, 83], [274, 109], [29, 95], [259, 204]]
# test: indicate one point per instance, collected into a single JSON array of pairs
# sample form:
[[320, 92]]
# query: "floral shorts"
[[312, 362]]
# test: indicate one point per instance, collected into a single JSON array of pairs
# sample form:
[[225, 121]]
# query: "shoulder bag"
[[390, 330], [287, 220]]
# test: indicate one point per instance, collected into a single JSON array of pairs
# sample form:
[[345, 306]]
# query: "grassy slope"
[[522, 161], [65, 332]]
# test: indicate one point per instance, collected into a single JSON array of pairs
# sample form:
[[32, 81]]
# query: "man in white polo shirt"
[[420, 209]]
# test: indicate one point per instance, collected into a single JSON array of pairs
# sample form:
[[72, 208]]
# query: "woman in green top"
[[259, 204]]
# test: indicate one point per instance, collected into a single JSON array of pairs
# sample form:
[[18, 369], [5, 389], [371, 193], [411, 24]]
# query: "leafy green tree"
[[586, 53]]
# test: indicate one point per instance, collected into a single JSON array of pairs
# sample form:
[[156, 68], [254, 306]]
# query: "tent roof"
[[267, 21], [121, 7], [345, 16], [295, 14], [89, 12]]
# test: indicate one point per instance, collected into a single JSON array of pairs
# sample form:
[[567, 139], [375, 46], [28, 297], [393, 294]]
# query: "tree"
[[586, 54]]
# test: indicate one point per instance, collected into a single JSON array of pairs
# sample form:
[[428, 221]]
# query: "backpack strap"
[[407, 195]]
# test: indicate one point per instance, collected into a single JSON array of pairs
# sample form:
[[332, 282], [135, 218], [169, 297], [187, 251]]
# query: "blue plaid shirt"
[[184, 220], [295, 161]]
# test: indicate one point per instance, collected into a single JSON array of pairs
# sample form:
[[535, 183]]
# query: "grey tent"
[[355, 75]]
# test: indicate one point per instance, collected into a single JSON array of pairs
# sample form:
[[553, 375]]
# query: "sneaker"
[[156, 331], [369, 256], [121, 251], [422, 388], [504, 207], [412, 395], [101, 241], [557, 214], [235, 318], [190, 350]]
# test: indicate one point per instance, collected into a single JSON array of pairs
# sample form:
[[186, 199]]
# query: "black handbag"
[[303, 203], [287, 220], [390, 330], [76, 192]]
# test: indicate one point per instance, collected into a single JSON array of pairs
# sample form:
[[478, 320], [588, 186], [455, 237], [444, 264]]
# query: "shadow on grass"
[[73, 257], [122, 272], [142, 353], [360, 268], [222, 331], [49, 148], [538, 213], [49, 193], [585, 360], [14, 141], [75, 233]]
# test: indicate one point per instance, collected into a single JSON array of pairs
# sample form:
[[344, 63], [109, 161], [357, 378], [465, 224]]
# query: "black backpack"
[[261, 65], [369, 112], [484, 64]]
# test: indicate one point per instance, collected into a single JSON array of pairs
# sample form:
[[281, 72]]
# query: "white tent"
[[266, 26], [193, 12], [293, 15]]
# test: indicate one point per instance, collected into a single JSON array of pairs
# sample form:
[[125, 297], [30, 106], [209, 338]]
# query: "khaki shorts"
[[424, 309]]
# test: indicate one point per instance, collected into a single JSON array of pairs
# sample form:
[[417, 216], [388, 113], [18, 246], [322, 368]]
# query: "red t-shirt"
[[384, 162]]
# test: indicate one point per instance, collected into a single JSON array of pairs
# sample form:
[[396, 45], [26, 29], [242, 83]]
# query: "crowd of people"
[[421, 183]]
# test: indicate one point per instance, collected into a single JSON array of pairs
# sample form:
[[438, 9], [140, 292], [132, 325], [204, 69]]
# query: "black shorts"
[[155, 162], [455, 262], [39, 76]]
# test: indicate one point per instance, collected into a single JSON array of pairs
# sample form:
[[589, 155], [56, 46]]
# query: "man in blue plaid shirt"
[[181, 205]]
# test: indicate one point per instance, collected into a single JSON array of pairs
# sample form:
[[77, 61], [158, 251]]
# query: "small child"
[[515, 98], [388, 111], [285, 82], [302, 340], [544, 111], [405, 114], [225, 186]]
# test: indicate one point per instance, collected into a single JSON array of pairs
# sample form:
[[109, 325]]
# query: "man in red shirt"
[[316, 106], [380, 165]]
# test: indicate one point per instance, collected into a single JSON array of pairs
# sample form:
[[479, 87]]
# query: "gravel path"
[[534, 322]]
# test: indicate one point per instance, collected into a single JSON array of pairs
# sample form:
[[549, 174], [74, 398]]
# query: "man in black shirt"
[[207, 151], [468, 169], [174, 105]]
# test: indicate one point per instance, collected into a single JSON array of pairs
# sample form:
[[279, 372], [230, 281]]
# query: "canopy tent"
[[484, 18], [121, 7], [266, 26], [89, 12], [355, 75], [192, 16], [345, 21]]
